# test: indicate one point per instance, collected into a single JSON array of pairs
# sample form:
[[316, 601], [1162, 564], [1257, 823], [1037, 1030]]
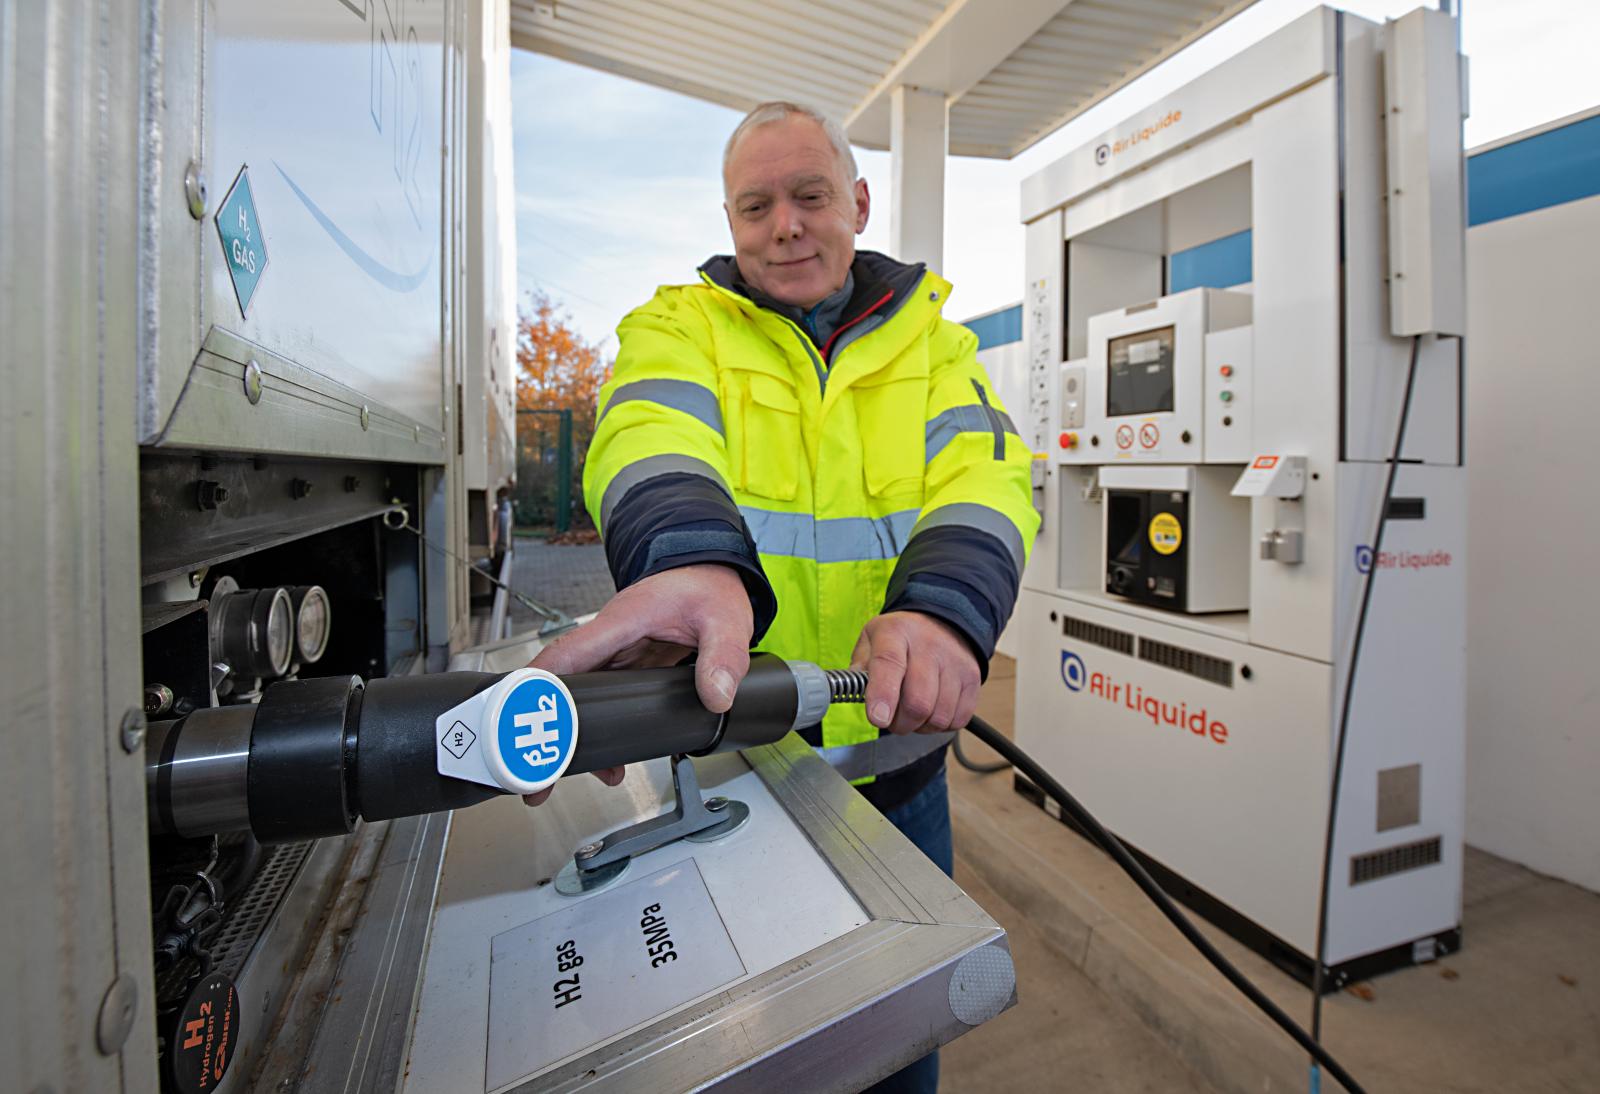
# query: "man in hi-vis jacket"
[[800, 454]]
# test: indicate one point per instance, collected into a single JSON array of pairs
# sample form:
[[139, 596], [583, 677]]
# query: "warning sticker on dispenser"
[[1166, 533]]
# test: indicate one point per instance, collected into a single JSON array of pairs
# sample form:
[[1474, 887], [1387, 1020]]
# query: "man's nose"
[[786, 225]]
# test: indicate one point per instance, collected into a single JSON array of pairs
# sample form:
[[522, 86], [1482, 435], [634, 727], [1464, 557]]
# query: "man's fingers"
[[886, 669], [918, 694], [967, 706], [863, 650], [723, 661], [588, 647], [945, 706], [611, 776]]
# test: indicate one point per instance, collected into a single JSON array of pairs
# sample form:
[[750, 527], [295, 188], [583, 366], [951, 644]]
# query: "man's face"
[[793, 214]]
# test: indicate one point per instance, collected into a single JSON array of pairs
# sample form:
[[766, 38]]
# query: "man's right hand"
[[657, 622], [660, 621]]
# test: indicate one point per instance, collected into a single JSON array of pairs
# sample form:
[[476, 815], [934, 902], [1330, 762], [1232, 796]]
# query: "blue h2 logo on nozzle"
[[535, 733]]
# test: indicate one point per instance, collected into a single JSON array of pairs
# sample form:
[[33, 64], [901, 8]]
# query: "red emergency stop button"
[[1069, 440], [1227, 371]]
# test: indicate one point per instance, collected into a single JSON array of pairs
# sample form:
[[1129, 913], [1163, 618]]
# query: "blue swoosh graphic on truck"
[[383, 275]]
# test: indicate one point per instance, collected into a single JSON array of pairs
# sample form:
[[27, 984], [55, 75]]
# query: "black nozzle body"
[[324, 752]]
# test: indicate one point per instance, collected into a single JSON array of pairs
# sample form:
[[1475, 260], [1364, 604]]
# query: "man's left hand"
[[922, 677]]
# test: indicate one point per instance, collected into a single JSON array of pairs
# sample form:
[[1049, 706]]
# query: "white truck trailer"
[[257, 318]]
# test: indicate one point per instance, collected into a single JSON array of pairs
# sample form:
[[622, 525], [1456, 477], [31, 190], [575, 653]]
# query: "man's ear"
[[727, 212], [863, 205]]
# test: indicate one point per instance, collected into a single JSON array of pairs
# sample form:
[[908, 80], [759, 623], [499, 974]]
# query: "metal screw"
[[366, 417], [588, 850], [132, 729], [299, 488], [196, 577], [416, 433], [117, 1009], [1186, 437], [209, 495], [252, 382], [194, 189], [157, 699], [716, 805]]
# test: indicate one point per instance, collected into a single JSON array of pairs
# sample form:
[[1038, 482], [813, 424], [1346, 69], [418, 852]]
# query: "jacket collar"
[[876, 277]]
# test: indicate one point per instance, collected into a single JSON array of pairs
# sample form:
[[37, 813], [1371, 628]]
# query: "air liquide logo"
[[1073, 674], [535, 734], [1400, 560], [1196, 720], [1103, 153]]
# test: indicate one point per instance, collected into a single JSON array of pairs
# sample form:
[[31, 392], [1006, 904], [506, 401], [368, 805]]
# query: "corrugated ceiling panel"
[[826, 53], [1078, 58], [834, 53]]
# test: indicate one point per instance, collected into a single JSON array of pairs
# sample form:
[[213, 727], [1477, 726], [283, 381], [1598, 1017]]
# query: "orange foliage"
[[556, 369]]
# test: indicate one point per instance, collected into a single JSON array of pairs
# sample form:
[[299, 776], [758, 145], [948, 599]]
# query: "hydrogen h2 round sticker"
[[533, 731]]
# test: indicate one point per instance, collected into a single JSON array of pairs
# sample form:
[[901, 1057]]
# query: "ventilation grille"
[[1218, 670], [245, 918], [1394, 860], [1108, 637], [248, 917]]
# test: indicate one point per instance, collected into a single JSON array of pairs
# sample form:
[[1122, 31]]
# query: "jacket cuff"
[[961, 575], [958, 608], [682, 520]]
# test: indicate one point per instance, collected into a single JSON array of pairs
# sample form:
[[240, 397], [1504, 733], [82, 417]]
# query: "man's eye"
[[754, 210], [813, 199]]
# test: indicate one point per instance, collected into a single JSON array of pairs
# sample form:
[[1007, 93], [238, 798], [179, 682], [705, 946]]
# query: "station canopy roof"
[[1013, 71]]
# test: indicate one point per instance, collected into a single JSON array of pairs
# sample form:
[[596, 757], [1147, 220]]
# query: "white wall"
[[1007, 367], [1533, 551]]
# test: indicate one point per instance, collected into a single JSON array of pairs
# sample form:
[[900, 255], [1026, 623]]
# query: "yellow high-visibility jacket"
[[877, 472]]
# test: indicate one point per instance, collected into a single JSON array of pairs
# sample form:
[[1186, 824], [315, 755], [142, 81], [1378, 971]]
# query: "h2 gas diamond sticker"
[[457, 739], [244, 247]]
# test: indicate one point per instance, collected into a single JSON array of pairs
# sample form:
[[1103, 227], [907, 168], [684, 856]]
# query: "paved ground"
[[573, 578], [1518, 1008]]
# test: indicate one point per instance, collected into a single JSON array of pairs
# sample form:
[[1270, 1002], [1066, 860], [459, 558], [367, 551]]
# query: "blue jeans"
[[925, 821]]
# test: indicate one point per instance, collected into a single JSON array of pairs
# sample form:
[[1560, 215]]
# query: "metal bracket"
[[690, 817]]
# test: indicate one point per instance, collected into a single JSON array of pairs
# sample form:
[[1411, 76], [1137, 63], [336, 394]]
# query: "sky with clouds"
[[619, 188]]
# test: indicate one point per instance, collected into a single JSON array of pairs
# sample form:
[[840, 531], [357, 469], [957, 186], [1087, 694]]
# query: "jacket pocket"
[[890, 414], [766, 449]]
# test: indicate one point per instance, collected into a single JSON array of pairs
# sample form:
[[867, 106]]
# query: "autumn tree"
[[556, 370]]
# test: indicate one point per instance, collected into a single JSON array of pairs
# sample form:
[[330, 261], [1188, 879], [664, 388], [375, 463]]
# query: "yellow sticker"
[[1165, 533]]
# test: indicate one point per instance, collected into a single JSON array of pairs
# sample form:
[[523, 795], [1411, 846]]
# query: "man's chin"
[[800, 291]]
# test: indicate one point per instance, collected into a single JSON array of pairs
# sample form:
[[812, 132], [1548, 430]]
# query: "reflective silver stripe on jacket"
[[889, 752], [947, 425], [696, 401], [839, 539], [969, 514], [651, 467]]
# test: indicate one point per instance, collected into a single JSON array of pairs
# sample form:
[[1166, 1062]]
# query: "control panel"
[[1164, 382]]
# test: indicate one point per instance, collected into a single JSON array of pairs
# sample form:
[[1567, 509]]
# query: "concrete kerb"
[[1214, 1029]]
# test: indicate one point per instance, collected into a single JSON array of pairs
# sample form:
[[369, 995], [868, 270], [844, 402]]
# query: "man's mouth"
[[795, 262]]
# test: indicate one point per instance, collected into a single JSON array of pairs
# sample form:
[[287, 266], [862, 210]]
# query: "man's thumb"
[[720, 666]]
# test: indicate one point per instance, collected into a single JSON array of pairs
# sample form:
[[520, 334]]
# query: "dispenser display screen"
[[1139, 373]]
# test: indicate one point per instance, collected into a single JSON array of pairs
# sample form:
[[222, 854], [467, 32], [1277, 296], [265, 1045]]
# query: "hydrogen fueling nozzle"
[[315, 755]]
